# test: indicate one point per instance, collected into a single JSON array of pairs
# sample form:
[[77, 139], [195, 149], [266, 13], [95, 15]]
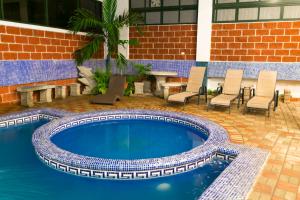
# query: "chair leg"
[[229, 109], [198, 99], [245, 110], [205, 93]]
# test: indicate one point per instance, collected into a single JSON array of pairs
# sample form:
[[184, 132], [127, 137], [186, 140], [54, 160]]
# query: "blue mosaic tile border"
[[234, 182], [30, 116], [286, 71], [130, 175], [28, 71], [182, 67], [156, 167]]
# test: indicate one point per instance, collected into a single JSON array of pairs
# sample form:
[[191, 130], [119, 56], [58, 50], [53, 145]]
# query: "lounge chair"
[[230, 91], [265, 92], [114, 93], [194, 87]]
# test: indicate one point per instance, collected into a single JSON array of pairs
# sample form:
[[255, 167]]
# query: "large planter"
[[147, 87], [139, 87]]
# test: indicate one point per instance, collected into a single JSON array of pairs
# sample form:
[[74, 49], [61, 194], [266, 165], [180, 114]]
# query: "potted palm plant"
[[105, 30], [142, 73]]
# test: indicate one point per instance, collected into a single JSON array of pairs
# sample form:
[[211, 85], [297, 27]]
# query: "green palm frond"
[[107, 30], [121, 61], [109, 10], [88, 50], [84, 20], [128, 18]]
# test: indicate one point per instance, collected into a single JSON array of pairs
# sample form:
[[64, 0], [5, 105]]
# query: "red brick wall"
[[258, 42], [165, 42], [27, 44], [8, 94]]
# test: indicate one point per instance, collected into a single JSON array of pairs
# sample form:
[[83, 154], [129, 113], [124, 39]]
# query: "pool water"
[[129, 139], [24, 177]]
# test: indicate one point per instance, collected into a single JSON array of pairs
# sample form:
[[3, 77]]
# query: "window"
[[166, 11], [60, 11], [255, 10], [54, 13]]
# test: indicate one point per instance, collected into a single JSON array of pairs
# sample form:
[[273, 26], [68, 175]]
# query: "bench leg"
[[75, 89], [27, 99], [46, 96], [60, 92], [166, 92]]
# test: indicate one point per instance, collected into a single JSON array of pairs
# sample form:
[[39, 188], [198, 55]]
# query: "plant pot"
[[147, 87], [125, 84], [139, 87]]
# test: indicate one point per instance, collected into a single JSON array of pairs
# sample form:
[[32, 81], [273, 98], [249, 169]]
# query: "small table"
[[246, 89], [166, 87], [27, 94], [161, 77]]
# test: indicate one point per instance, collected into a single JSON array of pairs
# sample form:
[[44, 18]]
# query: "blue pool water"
[[24, 177], [129, 139]]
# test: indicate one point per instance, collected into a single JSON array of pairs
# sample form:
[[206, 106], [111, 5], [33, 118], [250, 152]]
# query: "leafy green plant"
[[212, 92], [105, 30], [102, 81], [142, 71], [130, 85]]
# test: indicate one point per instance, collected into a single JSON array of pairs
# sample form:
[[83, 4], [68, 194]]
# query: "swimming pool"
[[23, 176], [129, 139]]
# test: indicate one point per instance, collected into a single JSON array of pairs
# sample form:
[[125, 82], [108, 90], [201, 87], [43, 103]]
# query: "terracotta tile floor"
[[279, 134]]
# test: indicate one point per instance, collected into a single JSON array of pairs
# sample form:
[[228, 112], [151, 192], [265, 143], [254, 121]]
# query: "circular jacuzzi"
[[128, 144]]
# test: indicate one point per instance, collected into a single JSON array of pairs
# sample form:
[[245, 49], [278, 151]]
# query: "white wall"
[[204, 30], [123, 6]]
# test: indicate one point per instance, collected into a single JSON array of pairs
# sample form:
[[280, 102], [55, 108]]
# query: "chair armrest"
[[219, 89], [183, 88], [202, 90], [252, 92], [276, 97]]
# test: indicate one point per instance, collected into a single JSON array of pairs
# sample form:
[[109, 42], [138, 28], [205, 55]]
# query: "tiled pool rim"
[[235, 181], [128, 169]]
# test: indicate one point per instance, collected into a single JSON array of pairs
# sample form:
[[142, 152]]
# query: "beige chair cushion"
[[233, 80], [85, 71], [259, 102], [266, 83], [195, 79], [180, 97], [223, 99]]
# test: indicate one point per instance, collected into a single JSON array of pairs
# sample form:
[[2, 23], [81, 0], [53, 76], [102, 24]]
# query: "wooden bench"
[[27, 94]]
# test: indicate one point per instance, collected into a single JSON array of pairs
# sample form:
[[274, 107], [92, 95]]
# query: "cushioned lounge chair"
[[265, 92], [194, 87], [230, 91], [114, 93]]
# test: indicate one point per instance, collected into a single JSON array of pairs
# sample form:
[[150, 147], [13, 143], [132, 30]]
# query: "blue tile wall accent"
[[286, 71], [18, 72], [182, 67], [28, 71]]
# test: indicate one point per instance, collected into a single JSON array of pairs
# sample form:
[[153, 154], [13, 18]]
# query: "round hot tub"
[[128, 144]]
